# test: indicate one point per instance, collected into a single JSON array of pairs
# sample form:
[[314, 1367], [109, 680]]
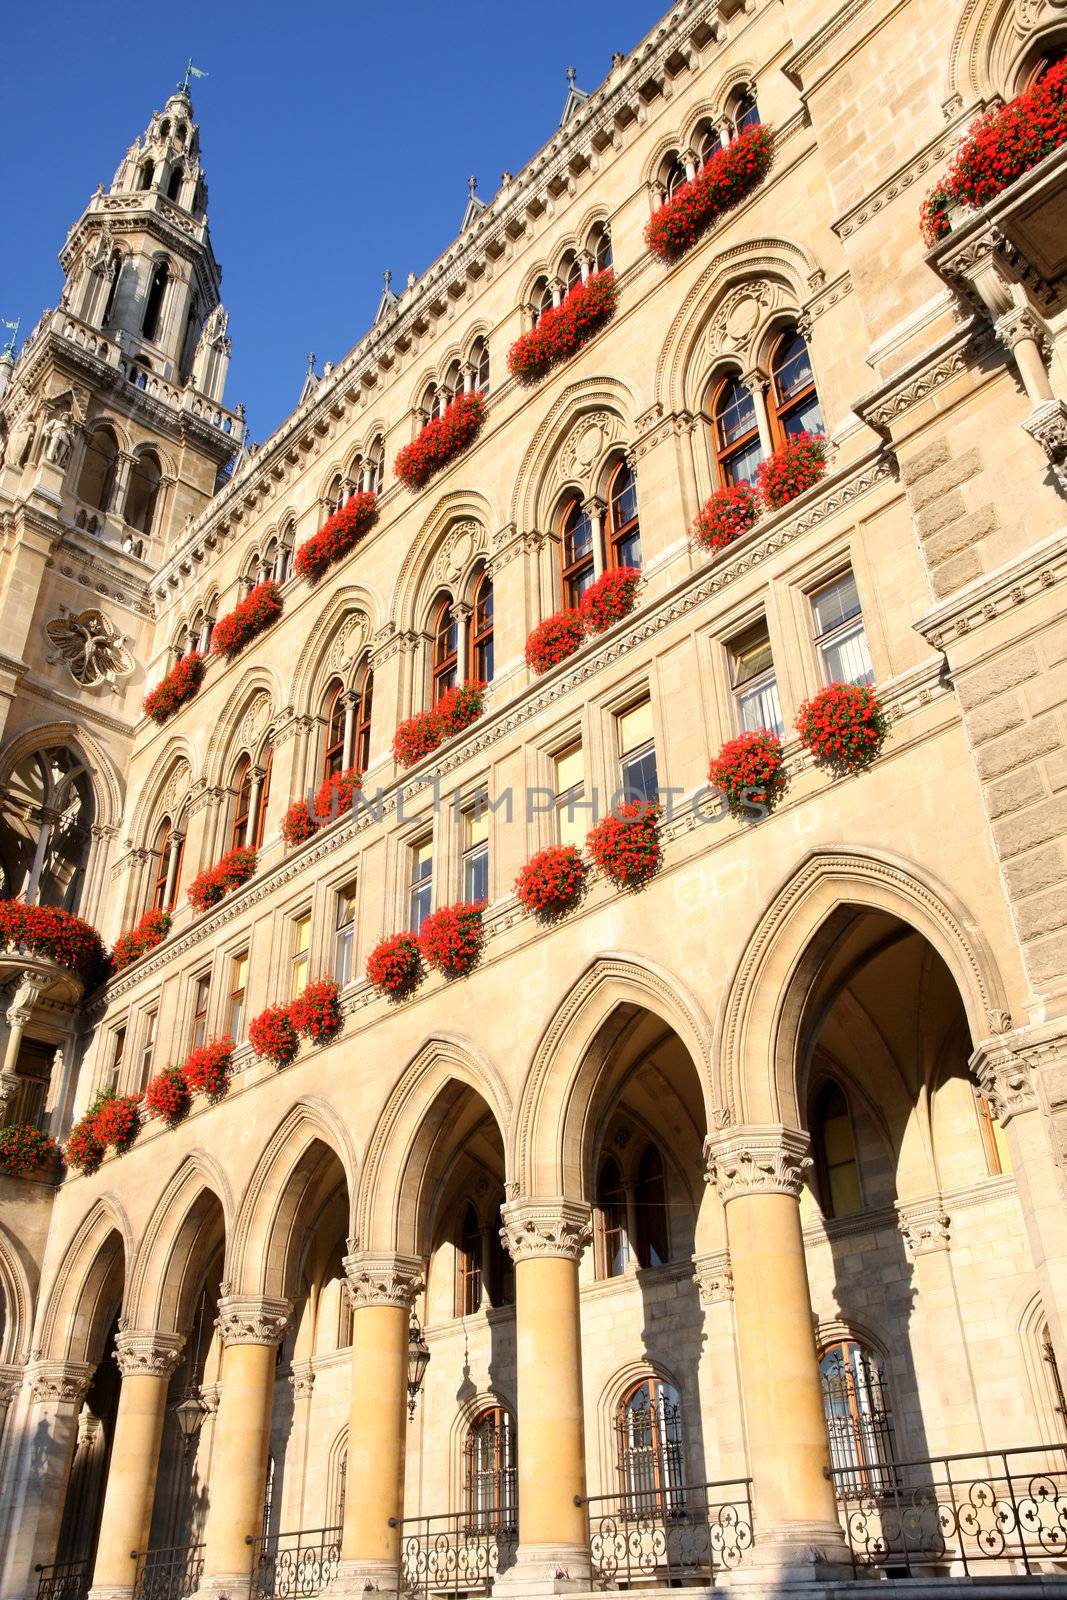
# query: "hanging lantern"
[[418, 1361]]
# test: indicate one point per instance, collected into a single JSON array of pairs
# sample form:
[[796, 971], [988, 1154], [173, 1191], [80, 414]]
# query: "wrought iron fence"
[[457, 1553], [1005, 1509], [287, 1566], [681, 1534], [170, 1573], [63, 1580]]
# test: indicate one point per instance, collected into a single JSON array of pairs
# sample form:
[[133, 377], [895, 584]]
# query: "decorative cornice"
[[59, 1382], [917, 380], [899, 181], [251, 1319], [924, 1225], [1041, 567], [766, 1159], [383, 1278], [141, 1353], [551, 1227]]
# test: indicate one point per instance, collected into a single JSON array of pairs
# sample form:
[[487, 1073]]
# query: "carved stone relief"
[[92, 648]]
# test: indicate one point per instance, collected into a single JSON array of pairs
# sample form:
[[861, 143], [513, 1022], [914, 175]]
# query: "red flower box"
[[451, 938], [259, 608], [317, 1012], [552, 881], [57, 935], [297, 826], [1000, 147], [25, 1149], [441, 440], [207, 1069], [798, 465], [553, 640], [179, 685], [83, 1149], [456, 710], [273, 1036], [725, 180], [335, 795], [136, 942], [609, 599], [844, 726], [167, 1096], [750, 772], [339, 534], [116, 1121], [729, 513], [563, 329], [625, 846], [395, 965], [229, 872], [416, 737], [459, 707]]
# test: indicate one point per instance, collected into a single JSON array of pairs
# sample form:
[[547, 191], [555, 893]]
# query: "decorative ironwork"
[[63, 1580], [169, 1574], [858, 1425], [651, 1452], [1004, 1508], [287, 1566], [491, 1476], [459, 1553], [684, 1534]]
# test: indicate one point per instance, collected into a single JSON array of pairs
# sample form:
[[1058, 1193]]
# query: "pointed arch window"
[[571, 270], [333, 753], [174, 184], [794, 405], [490, 1470], [624, 529], [600, 248], [161, 900], [650, 1210], [651, 1454], [445, 649], [157, 290], [114, 273], [259, 820], [481, 625], [708, 144], [364, 712], [738, 451], [673, 177], [146, 174], [96, 481], [836, 1167], [542, 300], [576, 551], [143, 492], [480, 363], [469, 1265], [242, 784], [614, 1233], [1048, 1356], [746, 113], [858, 1421]]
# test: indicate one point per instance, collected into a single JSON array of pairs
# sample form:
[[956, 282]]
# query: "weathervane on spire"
[[9, 348], [190, 72]]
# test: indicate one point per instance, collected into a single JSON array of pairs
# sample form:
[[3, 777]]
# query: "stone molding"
[[1040, 567], [764, 1159], [146, 1353], [252, 1319], [11, 1377], [383, 1278], [1005, 1079], [1047, 425], [59, 1382], [713, 1276], [924, 1225], [554, 1227], [302, 1380]]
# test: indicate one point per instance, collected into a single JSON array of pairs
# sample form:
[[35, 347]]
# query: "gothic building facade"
[[712, 1228]]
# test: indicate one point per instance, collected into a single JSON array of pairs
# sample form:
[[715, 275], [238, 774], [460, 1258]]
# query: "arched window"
[[153, 309], [794, 404], [674, 175], [335, 496], [745, 113], [858, 1420], [143, 492], [333, 752], [453, 383], [445, 650], [736, 433], [576, 551], [1050, 57], [376, 457], [161, 900], [599, 248], [46, 814], [242, 786], [284, 564], [541, 300], [707, 144], [96, 481], [480, 363], [481, 650], [259, 821], [651, 1449], [571, 270], [624, 530], [501, 1268], [611, 1206], [650, 1210], [114, 273], [146, 174], [491, 1486], [836, 1167], [174, 184], [364, 710], [469, 1265]]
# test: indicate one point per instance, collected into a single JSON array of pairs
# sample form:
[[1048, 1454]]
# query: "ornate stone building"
[[730, 1211]]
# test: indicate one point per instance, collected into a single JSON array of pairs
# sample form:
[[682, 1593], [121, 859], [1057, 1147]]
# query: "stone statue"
[[91, 646], [58, 439], [216, 325], [22, 440]]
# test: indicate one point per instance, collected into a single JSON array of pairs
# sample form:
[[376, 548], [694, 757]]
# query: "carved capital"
[[60, 1382], [1005, 1079], [552, 1227], [924, 1225], [144, 1353], [383, 1279], [713, 1277], [767, 1159], [10, 1383], [302, 1380], [755, 380], [1018, 324], [250, 1319], [1047, 424]]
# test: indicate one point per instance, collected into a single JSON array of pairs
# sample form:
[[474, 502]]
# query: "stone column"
[[545, 1239], [250, 1328], [1021, 331], [382, 1288], [351, 702], [17, 1016], [462, 613], [948, 1399], [147, 1361], [759, 1173], [723, 1419], [756, 383], [596, 510], [37, 1483], [174, 855], [302, 1383]]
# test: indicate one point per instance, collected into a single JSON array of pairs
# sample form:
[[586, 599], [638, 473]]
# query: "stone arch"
[[18, 1275], [561, 435], [351, 608], [71, 1329], [163, 1274], [404, 1132], [430, 547], [163, 790], [557, 1094], [738, 75], [991, 42], [759, 1023], [107, 783], [255, 685]]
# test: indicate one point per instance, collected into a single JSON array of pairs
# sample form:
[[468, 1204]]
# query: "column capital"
[[251, 1319], [383, 1278], [924, 1225], [1005, 1078], [1021, 322], [551, 1227], [11, 1377], [713, 1276], [755, 380], [61, 1382], [760, 1159], [302, 1379], [147, 1353]]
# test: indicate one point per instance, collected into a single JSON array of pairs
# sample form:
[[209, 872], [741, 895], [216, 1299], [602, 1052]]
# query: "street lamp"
[[189, 1413], [418, 1361]]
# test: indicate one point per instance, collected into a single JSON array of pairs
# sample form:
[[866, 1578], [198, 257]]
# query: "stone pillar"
[[1022, 331], [351, 702], [302, 1383], [382, 1289], [759, 1173], [597, 510], [462, 613], [174, 855], [720, 1387], [756, 383], [17, 1016], [250, 1328], [38, 1479], [147, 1361], [545, 1239], [948, 1398]]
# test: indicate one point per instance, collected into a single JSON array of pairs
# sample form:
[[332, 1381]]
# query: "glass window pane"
[[422, 860], [572, 824], [639, 777], [476, 874], [635, 726], [807, 418], [759, 707], [751, 658], [742, 467], [570, 769], [847, 658], [835, 604], [736, 412], [476, 825]]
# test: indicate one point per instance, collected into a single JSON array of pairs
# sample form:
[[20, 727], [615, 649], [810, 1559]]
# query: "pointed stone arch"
[[163, 1274], [71, 1329], [165, 777], [354, 605], [991, 40], [18, 1282], [107, 783], [255, 686], [537, 487], [467, 508]]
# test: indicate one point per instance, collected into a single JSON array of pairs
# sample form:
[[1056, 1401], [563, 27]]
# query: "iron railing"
[[950, 1514], [684, 1534], [169, 1574], [460, 1553], [288, 1566], [63, 1580]]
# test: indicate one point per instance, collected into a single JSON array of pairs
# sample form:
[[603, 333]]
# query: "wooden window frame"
[[201, 1009], [242, 805], [618, 533], [573, 571], [481, 630], [364, 714], [238, 994], [727, 451], [445, 654], [299, 958], [781, 407], [333, 748], [469, 1287]]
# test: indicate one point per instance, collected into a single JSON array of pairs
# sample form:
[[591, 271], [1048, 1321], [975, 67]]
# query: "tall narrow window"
[[238, 991], [674, 176], [650, 1210], [624, 530], [651, 1453], [153, 309], [1048, 1355], [469, 1265], [201, 995], [148, 1047], [738, 451], [794, 403], [445, 650], [174, 184], [600, 249], [259, 821], [344, 944], [480, 363], [576, 552], [491, 1488], [114, 272], [755, 685], [242, 784], [835, 1154], [364, 712], [637, 753], [746, 113], [611, 1205], [481, 651], [476, 852], [300, 960], [708, 144], [858, 1421], [570, 791], [111, 1078], [840, 634], [420, 895], [501, 1285], [333, 754], [161, 900]]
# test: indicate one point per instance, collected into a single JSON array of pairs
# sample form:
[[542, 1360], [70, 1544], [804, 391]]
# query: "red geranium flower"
[[116, 1121], [207, 1068], [137, 941], [339, 534], [451, 938], [229, 872], [800, 462], [562, 329], [844, 726], [609, 599], [416, 737], [625, 846], [179, 685], [297, 826], [552, 881], [273, 1036], [553, 640], [57, 935], [167, 1096], [259, 608], [395, 964], [83, 1149], [750, 772], [457, 708], [729, 513], [317, 1012], [24, 1149], [723, 182], [440, 440]]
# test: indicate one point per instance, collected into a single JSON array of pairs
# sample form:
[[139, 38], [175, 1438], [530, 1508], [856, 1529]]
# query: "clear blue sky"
[[337, 141]]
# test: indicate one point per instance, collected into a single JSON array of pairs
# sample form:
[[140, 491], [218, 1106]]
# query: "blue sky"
[[337, 142]]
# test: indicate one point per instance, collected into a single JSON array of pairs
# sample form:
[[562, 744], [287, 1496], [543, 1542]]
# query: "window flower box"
[[339, 534], [297, 826], [750, 771], [1000, 146], [459, 707], [207, 1069], [57, 935], [441, 440], [552, 882], [316, 1013], [729, 513], [456, 710], [731, 174], [83, 1150], [180, 684], [451, 939], [167, 1096], [25, 1149], [844, 726], [415, 738], [797, 466], [229, 872], [563, 329], [609, 599], [335, 796], [394, 966], [273, 1036], [116, 1121], [261, 607], [137, 941], [625, 846], [553, 640]]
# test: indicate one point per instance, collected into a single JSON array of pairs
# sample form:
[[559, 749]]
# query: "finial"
[[571, 76], [472, 184], [388, 276], [311, 363], [190, 72]]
